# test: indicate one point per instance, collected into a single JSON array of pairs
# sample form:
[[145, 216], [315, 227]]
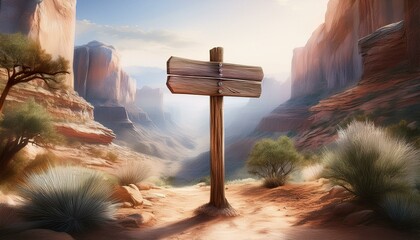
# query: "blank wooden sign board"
[[215, 79]]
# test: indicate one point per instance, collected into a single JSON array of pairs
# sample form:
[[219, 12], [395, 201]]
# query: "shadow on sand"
[[172, 229]]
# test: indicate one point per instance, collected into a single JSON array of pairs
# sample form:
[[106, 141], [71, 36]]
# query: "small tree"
[[28, 123], [24, 61], [273, 160]]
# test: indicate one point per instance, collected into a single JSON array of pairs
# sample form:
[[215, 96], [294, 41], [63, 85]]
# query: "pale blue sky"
[[148, 32]]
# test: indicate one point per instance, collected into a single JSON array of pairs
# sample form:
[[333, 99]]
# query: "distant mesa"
[[99, 77]]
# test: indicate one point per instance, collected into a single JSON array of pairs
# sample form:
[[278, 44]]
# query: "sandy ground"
[[296, 211]]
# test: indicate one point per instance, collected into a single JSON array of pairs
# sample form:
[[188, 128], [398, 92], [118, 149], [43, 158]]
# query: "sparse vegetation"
[[67, 199], [370, 164], [23, 124], [111, 156], [133, 172], [273, 160], [407, 131], [24, 60]]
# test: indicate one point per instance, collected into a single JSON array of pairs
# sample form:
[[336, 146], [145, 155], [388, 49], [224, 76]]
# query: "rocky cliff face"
[[389, 89], [73, 116], [330, 61], [49, 22], [99, 77]]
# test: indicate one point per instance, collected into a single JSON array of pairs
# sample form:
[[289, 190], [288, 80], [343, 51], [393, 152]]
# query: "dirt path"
[[300, 211]]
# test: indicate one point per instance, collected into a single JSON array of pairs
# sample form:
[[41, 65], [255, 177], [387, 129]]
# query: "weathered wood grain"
[[213, 87], [218, 69], [217, 144]]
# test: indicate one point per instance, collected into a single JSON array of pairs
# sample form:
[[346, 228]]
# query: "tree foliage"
[[23, 124], [24, 60], [273, 160]]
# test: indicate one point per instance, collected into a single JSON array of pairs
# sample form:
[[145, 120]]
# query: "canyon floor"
[[295, 211], [308, 210]]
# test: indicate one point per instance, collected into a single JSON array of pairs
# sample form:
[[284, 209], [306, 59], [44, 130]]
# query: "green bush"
[[403, 209], [273, 160], [21, 125], [370, 164], [133, 172], [67, 199]]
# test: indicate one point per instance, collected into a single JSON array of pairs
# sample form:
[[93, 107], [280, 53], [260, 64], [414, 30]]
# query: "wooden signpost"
[[215, 79]]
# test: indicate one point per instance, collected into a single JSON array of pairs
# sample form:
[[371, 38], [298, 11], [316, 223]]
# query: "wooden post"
[[215, 79], [217, 143], [218, 204]]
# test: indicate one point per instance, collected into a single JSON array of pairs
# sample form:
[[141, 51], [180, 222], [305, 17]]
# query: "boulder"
[[135, 194]]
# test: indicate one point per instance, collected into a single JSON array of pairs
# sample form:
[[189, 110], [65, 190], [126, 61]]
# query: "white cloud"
[[127, 36]]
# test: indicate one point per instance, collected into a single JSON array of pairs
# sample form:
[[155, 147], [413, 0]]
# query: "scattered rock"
[[359, 217], [344, 208], [127, 205], [147, 203], [42, 234], [154, 195], [129, 222], [336, 192], [121, 195], [128, 194], [147, 218], [135, 194], [144, 186]]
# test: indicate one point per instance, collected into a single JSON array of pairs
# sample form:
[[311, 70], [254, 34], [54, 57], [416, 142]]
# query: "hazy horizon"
[[147, 33]]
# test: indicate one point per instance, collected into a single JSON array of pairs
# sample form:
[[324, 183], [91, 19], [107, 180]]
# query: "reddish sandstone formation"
[[49, 22], [390, 87], [330, 61], [73, 116]]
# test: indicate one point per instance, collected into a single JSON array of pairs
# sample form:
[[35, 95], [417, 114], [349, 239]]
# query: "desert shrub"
[[111, 156], [95, 152], [273, 160], [66, 199], [403, 209], [206, 180], [133, 172], [369, 163]]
